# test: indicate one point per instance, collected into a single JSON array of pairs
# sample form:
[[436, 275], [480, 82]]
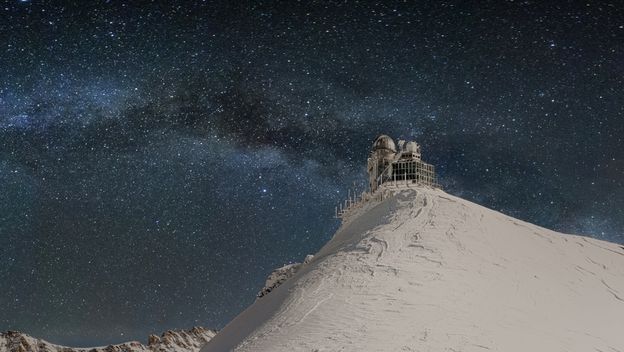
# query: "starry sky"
[[158, 160]]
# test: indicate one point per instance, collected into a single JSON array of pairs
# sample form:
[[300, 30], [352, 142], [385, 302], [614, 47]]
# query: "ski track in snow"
[[426, 271]]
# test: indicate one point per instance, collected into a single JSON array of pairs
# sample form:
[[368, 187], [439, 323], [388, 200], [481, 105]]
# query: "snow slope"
[[170, 341], [426, 271]]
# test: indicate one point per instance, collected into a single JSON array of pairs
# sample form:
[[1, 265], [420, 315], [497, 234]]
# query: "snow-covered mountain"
[[421, 270], [170, 341]]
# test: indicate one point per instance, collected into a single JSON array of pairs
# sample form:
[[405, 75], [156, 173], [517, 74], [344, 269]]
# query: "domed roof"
[[412, 147], [384, 142]]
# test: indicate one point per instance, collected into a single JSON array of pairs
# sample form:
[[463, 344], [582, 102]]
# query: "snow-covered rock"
[[421, 270], [170, 341], [280, 275]]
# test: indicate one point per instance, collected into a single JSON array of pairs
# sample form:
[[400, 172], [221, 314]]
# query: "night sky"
[[157, 161]]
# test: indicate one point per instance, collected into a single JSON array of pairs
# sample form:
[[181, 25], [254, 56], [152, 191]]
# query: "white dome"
[[384, 142], [412, 147]]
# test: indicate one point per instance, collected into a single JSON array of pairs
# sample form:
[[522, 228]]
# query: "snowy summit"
[[413, 268]]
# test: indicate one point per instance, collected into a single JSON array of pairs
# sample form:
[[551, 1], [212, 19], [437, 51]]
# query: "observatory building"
[[387, 164], [389, 167]]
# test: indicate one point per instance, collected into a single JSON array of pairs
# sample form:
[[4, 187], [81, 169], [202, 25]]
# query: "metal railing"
[[405, 173]]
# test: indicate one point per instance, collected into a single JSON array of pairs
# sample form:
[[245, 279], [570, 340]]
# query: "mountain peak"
[[414, 268], [170, 341]]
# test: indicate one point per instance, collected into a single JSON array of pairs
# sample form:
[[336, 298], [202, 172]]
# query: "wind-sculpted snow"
[[170, 341], [422, 270]]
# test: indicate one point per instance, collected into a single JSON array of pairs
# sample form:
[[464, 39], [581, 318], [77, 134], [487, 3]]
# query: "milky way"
[[158, 161]]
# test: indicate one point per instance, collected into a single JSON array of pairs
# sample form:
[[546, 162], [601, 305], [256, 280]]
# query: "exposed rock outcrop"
[[280, 275]]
